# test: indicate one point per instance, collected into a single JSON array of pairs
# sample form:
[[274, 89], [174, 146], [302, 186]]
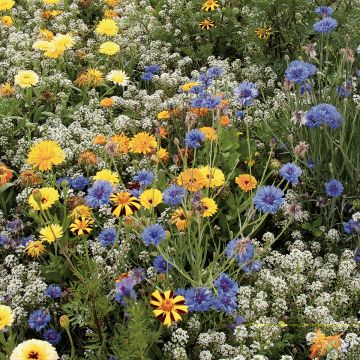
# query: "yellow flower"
[[82, 226], [45, 154], [109, 48], [5, 174], [122, 142], [246, 182], [181, 219], [210, 5], [188, 86], [107, 27], [44, 198], [143, 143], [81, 211], [167, 306], [6, 317], [215, 177], [46, 34], [163, 115], [7, 21], [51, 233], [209, 207], [6, 4], [91, 77], [207, 24], [151, 198], [263, 33], [209, 132], [50, 2], [162, 155], [26, 78], [118, 77], [34, 349], [107, 175], [6, 90], [35, 248], [323, 344], [112, 3], [192, 179], [63, 41], [124, 204]]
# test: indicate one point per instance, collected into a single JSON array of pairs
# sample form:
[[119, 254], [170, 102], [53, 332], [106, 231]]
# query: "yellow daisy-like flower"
[[124, 204], [246, 182], [210, 5], [112, 3], [192, 179], [44, 198], [209, 207], [162, 155], [45, 154], [82, 226], [151, 198], [35, 248], [91, 77], [143, 143], [214, 176], [181, 219], [209, 132], [81, 211], [118, 77], [122, 142], [109, 48], [263, 33], [51, 233], [63, 41], [6, 90], [163, 115], [26, 78], [188, 86], [207, 24], [168, 308], [107, 175], [7, 21], [6, 317], [6, 4], [51, 2], [46, 34], [107, 27], [34, 349]]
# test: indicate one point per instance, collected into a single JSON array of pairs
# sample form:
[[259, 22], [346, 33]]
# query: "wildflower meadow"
[[179, 180]]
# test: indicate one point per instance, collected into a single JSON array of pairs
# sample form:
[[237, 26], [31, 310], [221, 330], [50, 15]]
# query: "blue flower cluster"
[[323, 114], [144, 178], [324, 11], [246, 92], [150, 71], [334, 188], [39, 319], [161, 265], [268, 199], [299, 71], [53, 291], [107, 237], [193, 138], [325, 25], [291, 173], [153, 234], [174, 195], [99, 194]]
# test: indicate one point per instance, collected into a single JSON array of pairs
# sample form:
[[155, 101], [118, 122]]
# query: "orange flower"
[[6, 90], [99, 139], [224, 120], [181, 219], [162, 131], [192, 179], [5, 174], [323, 344], [87, 157], [29, 178], [107, 102], [246, 182], [199, 111], [122, 142]]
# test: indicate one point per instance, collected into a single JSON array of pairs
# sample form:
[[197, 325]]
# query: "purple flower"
[[324, 11], [246, 92], [125, 290], [107, 237], [226, 302], [334, 188], [352, 226], [39, 319], [241, 249], [153, 234], [15, 226], [291, 173], [174, 195], [161, 265], [325, 26], [52, 336], [193, 138], [268, 199], [199, 299], [99, 194], [224, 284]]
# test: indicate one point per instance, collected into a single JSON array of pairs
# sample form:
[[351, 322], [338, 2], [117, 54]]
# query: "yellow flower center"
[[167, 305]]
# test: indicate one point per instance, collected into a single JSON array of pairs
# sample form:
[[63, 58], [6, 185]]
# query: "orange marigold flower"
[[181, 219], [99, 139], [323, 344], [224, 120], [87, 157], [29, 178], [199, 111], [246, 182], [192, 179], [5, 174], [122, 142], [107, 102], [143, 143]]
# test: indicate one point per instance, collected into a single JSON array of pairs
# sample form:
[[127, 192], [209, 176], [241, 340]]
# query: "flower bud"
[[64, 321], [36, 193]]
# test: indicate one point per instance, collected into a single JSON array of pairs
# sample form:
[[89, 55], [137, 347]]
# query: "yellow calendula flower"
[[209, 132], [45, 154], [181, 219], [81, 211], [118, 77], [192, 179], [162, 155], [263, 33], [109, 48], [112, 3], [26, 78], [51, 233], [6, 4], [44, 198], [90, 77], [107, 175], [63, 41], [51, 2], [246, 182], [6, 174], [6, 90], [207, 24], [210, 5], [46, 34], [168, 308], [143, 143], [7, 21], [151, 198], [188, 86], [163, 115], [209, 207], [34, 349], [6, 317], [107, 27], [215, 177], [35, 248]]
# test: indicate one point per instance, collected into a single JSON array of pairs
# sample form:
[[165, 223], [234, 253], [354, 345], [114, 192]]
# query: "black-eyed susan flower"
[[34, 349], [207, 24], [82, 226], [26, 78], [210, 5], [51, 233], [45, 154], [35, 248], [168, 308], [107, 27], [107, 175], [124, 204], [209, 207], [263, 33], [44, 198], [143, 143], [151, 198]]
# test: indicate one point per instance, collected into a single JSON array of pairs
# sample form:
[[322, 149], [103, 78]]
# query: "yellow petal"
[[167, 294], [157, 312], [167, 320], [156, 294], [177, 317]]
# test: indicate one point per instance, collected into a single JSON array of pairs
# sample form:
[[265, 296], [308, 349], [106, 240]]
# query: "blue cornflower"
[[344, 91], [199, 299], [224, 284], [252, 265], [125, 289], [268, 199], [305, 88], [299, 71], [79, 183], [214, 72], [323, 113], [39, 319], [161, 265], [197, 89], [99, 194], [154, 69], [325, 26], [52, 336], [205, 80], [246, 92], [352, 226], [147, 76], [193, 138], [324, 10], [137, 274], [291, 173], [25, 240], [53, 291], [240, 114], [144, 178], [107, 237], [174, 195], [197, 103], [136, 192], [153, 234], [211, 102], [241, 249], [334, 188], [226, 302]]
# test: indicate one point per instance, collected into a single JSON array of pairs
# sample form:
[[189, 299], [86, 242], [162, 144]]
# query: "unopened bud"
[[36, 193], [64, 321]]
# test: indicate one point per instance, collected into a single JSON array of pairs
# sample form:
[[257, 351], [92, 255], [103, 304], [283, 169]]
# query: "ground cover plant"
[[179, 179]]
